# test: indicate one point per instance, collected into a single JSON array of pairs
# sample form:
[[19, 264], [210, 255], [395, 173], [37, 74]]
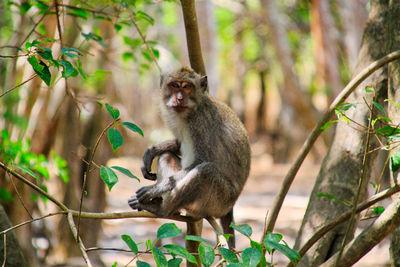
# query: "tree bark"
[[394, 113], [340, 172], [14, 255]]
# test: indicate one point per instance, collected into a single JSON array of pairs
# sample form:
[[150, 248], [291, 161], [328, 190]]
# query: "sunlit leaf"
[[251, 256], [159, 257], [133, 127], [115, 138], [168, 230], [40, 69], [228, 255], [28, 171], [206, 254], [244, 229], [328, 124], [113, 111], [271, 243], [195, 238], [395, 162], [180, 251], [125, 171], [378, 210], [175, 262], [108, 176], [131, 244]]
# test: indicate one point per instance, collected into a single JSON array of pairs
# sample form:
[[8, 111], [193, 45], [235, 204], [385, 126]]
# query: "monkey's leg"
[[203, 192], [168, 165], [154, 151]]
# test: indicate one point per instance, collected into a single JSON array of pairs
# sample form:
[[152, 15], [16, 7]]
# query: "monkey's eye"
[[174, 85]]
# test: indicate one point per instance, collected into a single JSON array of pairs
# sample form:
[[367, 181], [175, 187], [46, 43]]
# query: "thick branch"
[[350, 87], [370, 237], [193, 36], [345, 216]]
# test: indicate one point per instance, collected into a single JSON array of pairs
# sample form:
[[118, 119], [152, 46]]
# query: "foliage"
[[173, 255]]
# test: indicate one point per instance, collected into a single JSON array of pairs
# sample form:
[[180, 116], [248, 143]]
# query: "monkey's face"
[[179, 95]]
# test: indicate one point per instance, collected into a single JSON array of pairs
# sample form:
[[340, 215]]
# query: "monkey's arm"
[[151, 152]]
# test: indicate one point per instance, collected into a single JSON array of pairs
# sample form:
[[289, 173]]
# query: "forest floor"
[[255, 201]]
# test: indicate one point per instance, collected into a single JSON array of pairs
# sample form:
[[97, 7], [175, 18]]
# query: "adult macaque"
[[204, 169]]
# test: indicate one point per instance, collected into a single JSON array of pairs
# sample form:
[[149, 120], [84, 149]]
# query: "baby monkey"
[[203, 170]]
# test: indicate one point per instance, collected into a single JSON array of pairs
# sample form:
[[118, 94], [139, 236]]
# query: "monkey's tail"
[[226, 221]]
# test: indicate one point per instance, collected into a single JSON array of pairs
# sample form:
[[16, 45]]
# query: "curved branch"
[[350, 87], [345, 216]]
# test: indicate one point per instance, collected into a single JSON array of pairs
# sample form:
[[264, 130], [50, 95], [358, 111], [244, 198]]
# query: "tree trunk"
[[325, 48], [394, 112], [14, 255], [353, 16], [340, 172]]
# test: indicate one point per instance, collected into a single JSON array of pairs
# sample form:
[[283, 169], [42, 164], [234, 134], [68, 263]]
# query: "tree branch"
[[350, 87], [19, 85]]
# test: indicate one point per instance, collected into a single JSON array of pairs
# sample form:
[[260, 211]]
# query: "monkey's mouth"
[[179, 109]]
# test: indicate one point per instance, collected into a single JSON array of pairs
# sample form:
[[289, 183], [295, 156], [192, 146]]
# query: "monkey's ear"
[[204, 83]]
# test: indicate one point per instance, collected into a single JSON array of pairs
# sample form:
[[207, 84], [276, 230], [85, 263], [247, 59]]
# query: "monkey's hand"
[[148, 157], [146, 194]]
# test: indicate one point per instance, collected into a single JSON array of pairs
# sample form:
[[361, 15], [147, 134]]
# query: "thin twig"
[[359, 188], [35, 187], [19, 195], [19, 85], [14, 56], [74, 231], [308, 144], [145, 42], [5, 250], [31, 221], [34, 28], [88, 169]]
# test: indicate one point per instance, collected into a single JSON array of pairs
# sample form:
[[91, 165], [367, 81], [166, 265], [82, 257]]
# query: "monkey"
[[204, 169]]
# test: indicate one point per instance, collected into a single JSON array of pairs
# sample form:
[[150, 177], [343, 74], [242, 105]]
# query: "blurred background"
[[278, 64]]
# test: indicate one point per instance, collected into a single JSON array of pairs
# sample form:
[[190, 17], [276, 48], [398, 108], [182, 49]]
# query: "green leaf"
[[251, 256], [115, 138], [369, 89], [244, 229], [328, 124], [395, 162], [24, 7], [330, 196], [378, 210], [228, 255], [378, 106], [156, 53], [113, 111], [40, 69], [115, 264], [131, 244], [108, 176], [125, 171], [206, 254], [68, 69], [127, 56], [5, 195], [133, 127], [345, 106], [78, 12], [271, 243], [168, 230], [149, 245], [117, 27], [381, 118], [141, 15], [388, 131], [238, 264], [159, 257], [142, 264], [45, 54], [180, 251], [28, 171], [195, 238], [175, 262]]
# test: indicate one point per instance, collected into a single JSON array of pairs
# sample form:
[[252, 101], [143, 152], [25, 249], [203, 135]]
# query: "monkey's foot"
[[146, 194], [134, 203]]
